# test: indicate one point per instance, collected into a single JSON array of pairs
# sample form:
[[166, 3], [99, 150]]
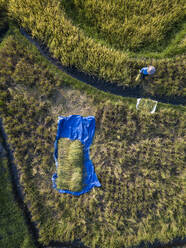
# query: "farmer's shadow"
[[148, 85]]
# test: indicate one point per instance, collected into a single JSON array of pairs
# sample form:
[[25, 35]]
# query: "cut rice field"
[[139, 158], [70, 165]]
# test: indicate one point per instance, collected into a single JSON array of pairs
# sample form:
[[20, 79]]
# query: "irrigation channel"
[[102, 85]]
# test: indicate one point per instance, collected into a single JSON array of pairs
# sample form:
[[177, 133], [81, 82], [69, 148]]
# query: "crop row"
[[127, 24]]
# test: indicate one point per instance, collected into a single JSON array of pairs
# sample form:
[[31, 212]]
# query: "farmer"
[[145, 71]]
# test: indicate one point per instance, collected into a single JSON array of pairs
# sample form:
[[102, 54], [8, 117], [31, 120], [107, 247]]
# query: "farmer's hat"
[[151, 70]]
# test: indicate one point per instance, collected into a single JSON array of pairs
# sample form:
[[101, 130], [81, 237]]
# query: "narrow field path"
[[135, 92]]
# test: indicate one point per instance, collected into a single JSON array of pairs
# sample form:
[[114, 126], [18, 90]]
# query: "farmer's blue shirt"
[[144, 70]]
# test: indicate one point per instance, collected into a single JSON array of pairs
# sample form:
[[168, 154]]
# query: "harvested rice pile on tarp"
[[70, 164]]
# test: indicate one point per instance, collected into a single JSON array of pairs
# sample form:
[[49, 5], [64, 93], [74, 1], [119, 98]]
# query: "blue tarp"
[[81, 128]]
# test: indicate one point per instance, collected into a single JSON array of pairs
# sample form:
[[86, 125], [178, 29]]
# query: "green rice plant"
[[131, 24], [70, 164]]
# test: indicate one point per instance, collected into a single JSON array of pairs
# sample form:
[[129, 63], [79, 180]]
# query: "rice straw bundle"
[[70, 164]]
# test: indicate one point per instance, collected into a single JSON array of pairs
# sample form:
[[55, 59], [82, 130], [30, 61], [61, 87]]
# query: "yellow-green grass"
[[139, 158], [70, 164], [13, 229], [127, 24], [72, 47]]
